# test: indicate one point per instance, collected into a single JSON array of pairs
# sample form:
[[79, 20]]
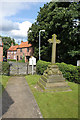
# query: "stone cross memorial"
[[52, 78], [54, 41]]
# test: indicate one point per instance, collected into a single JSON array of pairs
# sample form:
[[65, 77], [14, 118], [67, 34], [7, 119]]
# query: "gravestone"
[[52, 78]]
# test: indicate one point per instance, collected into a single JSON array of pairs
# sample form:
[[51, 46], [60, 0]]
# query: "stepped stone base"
[[53, 80]]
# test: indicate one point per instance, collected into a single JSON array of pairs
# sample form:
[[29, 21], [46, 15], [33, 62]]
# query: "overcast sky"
[[16, 16]]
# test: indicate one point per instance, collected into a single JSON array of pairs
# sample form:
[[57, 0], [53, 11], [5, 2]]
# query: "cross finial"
[[54, 41]]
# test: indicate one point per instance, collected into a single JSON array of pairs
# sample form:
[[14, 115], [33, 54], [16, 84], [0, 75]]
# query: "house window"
[[20, 57], [11, 52], [8, 57], [27, 49], [14, 52], [21, 50]]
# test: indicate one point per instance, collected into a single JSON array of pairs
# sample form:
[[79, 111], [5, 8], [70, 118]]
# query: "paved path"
[[18, 100]]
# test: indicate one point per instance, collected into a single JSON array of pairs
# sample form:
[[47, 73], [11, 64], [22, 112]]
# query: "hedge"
[[41, 66], [21, 61], [4, 68], [70, 72], [11, 60]]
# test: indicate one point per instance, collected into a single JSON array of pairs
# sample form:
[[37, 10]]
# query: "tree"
[[6, 44], [57, 18]]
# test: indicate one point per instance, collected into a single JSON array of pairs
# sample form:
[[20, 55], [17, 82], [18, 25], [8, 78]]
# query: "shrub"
[[70, 72], [41, 66], [4, 68]]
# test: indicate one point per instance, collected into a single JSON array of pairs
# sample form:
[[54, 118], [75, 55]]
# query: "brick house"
[[12, 51], [18, 51], [1, 50]]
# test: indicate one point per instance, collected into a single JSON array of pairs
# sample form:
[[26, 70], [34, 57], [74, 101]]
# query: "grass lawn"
[[3, 81], [57, 104]]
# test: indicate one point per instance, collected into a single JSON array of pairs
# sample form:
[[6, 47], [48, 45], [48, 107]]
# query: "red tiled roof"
[[13, 47], [22, 45]]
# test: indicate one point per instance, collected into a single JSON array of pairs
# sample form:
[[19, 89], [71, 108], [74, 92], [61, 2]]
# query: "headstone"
[[52, 78], [78, 62]]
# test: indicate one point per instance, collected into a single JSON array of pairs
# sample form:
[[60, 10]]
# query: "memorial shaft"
[[54, 51]]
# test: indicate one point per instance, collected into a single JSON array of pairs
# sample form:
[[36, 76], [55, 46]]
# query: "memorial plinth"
[[52, 78]]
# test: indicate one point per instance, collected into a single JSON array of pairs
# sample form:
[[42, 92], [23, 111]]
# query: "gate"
[[17, 68]]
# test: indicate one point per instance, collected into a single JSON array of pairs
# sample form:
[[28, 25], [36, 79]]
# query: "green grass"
[[56, 104], [3, 81]]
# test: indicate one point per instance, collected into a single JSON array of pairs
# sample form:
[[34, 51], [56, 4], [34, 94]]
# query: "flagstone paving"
[[18, 100]]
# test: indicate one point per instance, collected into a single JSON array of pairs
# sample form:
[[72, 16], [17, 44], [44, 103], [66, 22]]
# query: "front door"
[[17, 58], [27, 58]]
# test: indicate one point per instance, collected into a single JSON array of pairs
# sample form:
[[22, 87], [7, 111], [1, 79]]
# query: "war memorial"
[[52, 78]]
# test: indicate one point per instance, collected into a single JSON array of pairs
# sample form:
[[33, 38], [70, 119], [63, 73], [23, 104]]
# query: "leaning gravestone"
[[52, 78]]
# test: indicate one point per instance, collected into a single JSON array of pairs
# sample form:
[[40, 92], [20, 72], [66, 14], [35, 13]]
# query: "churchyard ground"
[[56, 104]]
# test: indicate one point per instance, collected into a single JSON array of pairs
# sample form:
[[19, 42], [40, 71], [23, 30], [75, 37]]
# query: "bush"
[[4, 68], [70, 72], [41, 66]]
